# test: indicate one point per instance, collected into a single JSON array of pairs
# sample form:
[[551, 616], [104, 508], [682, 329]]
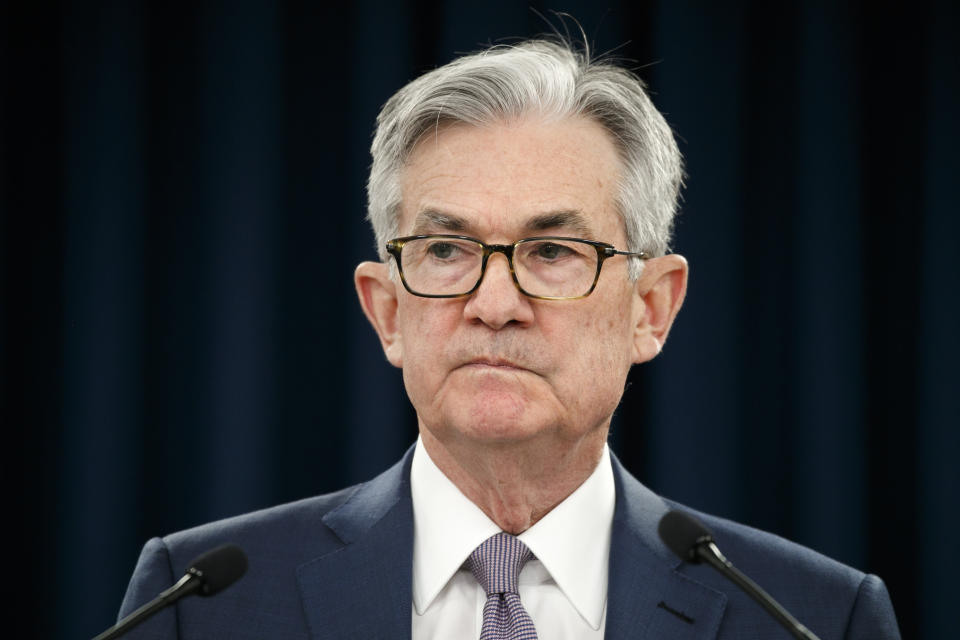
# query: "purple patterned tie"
[[496, 565]]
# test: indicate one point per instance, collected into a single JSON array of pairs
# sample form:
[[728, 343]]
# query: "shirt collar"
[[572, 540]]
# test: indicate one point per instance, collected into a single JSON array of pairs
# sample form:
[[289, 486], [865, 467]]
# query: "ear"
[[659, 294], [378, 297]]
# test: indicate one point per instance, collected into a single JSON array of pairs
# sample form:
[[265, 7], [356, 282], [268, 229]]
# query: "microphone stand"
[[709, 553]]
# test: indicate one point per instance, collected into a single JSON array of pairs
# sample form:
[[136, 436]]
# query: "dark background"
[[182, 207]]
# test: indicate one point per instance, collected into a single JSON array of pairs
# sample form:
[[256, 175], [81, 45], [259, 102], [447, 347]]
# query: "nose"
[[497, 302]]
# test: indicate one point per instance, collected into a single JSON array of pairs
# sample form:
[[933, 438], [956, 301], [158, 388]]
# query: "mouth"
[[496, 363]]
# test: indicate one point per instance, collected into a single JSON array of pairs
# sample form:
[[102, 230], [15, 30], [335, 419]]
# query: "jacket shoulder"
[[833, 599], [295, 527], [761, 553], [278, 542], [275, 540]]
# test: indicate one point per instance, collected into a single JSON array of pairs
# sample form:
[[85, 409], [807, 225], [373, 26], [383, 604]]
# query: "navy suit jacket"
[[340, 566]]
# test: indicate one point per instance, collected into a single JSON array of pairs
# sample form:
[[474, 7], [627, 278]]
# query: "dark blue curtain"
[[181, 200]]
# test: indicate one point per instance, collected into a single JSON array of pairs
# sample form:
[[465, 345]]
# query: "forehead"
[[501, 181]]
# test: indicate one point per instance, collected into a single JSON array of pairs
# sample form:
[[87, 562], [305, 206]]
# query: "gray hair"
[[547, 79]]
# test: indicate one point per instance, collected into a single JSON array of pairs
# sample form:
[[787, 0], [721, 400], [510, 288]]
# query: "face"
[[498, 365]]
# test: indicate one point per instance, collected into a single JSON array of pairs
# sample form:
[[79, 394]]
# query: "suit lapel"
[[647, 596], [363, 589]]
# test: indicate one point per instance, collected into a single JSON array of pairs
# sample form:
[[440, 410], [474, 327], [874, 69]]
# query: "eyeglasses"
[[547, 268]]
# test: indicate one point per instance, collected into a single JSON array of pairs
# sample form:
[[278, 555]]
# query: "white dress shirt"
[[563, 588]]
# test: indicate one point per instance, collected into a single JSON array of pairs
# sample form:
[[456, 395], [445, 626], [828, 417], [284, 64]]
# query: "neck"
[[516, 484]]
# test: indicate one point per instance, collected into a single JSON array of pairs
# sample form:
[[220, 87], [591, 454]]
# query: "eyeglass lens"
[[546, 267]]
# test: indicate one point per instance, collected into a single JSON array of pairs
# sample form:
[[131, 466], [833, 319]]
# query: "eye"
[[443, 250], [551, 251]]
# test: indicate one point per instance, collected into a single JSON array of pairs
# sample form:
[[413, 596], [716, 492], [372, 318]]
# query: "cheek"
[[418, 322], [426, 333], [600, 359]]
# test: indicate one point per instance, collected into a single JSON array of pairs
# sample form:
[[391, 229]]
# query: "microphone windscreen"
[[219, 568], [681, 532]]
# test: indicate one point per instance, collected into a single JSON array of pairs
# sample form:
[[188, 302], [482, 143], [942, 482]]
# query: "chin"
[[500, 432], [493, 408], [497, 417]]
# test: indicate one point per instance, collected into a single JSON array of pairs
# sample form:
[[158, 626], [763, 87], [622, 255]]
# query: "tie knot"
[[497, 562]]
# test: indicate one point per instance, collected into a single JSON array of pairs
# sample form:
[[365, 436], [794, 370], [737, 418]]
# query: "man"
[[522, 199]]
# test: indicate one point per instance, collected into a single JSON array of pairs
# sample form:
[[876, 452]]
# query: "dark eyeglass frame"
[[604, 251]]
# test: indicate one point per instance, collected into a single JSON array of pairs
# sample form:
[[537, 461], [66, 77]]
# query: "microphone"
[[691, 540], [209, 573]]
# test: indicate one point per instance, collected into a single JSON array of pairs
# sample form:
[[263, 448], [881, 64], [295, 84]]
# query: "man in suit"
[[522, 199]]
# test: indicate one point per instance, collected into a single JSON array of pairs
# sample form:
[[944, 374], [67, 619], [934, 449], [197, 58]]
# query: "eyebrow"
[[569, 219], [430, 220]]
